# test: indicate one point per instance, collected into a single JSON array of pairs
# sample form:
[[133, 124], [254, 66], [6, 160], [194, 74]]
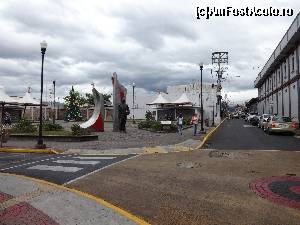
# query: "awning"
[[160, 100], [28, 100], [5, 99], [183, 100]]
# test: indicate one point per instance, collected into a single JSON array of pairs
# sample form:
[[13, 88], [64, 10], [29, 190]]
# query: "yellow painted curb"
[[179, 148], [86, 195], [103, 154], [17, 150], [209, 135], [153, 150]]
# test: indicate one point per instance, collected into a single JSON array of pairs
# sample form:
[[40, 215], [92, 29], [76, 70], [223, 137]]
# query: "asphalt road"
[[7, 159], [236, 134], [59, 169]]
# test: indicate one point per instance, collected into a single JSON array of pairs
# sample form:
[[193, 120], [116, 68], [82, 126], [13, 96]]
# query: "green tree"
[[89, 99], [148, 115], [73, 102]]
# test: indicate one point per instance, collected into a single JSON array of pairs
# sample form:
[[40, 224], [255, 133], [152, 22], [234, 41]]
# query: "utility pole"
[[54, 111], [201, 97], [58, 108], [219, 59], [133, 86], [213, 122]]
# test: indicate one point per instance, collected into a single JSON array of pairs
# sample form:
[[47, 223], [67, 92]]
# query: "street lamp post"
[[54, 112], [213, 122], [133, 86], [201, 106], [58, 108], [40, 143]]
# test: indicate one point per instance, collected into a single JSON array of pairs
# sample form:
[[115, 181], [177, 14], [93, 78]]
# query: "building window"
[[293, 62], [284, 70], [279, 80], [294, 86], [285, 90]]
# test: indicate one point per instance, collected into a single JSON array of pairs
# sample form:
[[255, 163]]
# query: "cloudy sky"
[[152, 43]]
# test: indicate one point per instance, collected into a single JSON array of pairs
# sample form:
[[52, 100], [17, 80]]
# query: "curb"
[[104, 154], [161, 150], [86, 195], [40, 151], [209, 135]]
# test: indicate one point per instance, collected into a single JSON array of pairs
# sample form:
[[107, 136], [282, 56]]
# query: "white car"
[[263, 120], [250, 117]]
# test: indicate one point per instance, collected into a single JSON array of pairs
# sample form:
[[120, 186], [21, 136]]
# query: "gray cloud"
[[153, 45]]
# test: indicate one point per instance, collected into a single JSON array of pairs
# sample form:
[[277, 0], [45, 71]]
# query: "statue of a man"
[[123, 113]]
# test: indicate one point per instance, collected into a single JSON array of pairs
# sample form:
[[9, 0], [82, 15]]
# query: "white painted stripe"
[[77, 162], [247, 126], [55, 168], [38, 161], [95, 171], [82, 157]]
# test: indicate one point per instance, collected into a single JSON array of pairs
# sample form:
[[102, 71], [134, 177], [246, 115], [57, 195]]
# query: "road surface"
[[59, 169], [236, 134]]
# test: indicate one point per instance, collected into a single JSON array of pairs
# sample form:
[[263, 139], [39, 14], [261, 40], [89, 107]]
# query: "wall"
[[278, 90], [294, 100]]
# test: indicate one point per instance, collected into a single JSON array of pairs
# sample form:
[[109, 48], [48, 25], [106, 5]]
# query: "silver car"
[[263, 120], [280, 124]]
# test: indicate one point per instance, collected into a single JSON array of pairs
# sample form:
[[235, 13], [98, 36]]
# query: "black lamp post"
[[213, 122], [133, 86], [54, 111], [40, 143], [201, 106]]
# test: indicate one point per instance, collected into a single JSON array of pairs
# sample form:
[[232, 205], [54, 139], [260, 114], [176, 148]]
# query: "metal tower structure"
[[220, 65]]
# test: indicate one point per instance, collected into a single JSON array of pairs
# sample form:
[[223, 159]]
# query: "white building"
[[174, 93], [278, 83]]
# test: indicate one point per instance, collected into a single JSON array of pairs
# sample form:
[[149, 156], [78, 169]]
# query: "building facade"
[[278, 83], [192, 91]]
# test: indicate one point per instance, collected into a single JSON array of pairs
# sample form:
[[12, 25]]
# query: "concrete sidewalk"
[[29, 201], [204, 187]]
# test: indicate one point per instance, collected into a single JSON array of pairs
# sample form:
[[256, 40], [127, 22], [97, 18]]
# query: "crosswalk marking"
[[55, 168], [77, 162], [104, 157]]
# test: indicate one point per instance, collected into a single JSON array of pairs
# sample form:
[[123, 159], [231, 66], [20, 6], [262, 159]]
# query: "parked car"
[[235, 116], [248, 118], [280, 124], [243, 115], [263, 120], [254, 120]]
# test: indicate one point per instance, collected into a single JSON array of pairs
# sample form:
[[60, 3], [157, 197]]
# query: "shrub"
[[148, 116], [186, 121], [77, 130], [52, 127], [24, 126], [157, 126], [172, 128], [144, 124]]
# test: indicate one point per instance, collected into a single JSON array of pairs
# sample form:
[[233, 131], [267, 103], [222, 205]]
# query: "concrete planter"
[[56, 138]]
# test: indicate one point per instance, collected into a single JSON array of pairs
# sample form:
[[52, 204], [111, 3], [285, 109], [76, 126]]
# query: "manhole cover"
[[283, 190], [188, 165], [218, 154]]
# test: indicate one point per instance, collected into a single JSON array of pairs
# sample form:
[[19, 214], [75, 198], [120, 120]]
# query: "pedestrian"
[[180, 123], [7, 118], [194, 122], [123, 113]]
